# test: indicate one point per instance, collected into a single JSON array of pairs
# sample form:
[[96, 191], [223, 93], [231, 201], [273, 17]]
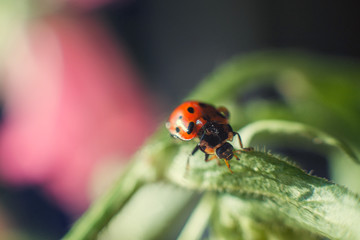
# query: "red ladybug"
[[211, 125]]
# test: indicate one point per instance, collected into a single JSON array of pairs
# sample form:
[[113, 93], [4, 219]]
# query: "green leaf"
[[247, 217], [285, 193]]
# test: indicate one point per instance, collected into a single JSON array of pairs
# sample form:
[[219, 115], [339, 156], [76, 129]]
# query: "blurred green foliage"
[[267, 197]]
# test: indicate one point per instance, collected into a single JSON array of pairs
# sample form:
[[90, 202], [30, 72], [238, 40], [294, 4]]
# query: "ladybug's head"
[[225, 151]]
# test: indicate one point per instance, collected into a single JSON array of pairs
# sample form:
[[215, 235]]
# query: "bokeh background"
[[84, 82]]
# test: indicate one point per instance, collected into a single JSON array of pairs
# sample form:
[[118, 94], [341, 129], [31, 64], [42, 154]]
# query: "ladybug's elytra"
[[194, 119]]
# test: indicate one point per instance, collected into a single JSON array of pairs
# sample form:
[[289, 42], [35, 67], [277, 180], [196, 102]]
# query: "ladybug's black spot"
[[190, 109], [177, 129], [190, 127], [180, 117]]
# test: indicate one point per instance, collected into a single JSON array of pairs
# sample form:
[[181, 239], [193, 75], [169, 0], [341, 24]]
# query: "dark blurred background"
[[176, 44], [173, 45]]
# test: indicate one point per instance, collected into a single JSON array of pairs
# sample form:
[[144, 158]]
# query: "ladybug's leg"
[[224, 111], [241, 145], [228, 165], [197, 147], [237, 134], [207, 159]]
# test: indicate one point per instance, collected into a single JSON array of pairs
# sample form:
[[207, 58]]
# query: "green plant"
[[268, 196]]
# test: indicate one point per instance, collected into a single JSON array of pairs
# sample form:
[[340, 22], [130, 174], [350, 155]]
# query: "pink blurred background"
[[74, 106]]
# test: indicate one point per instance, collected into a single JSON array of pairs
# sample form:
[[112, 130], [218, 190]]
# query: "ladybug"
[[210, 125]]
